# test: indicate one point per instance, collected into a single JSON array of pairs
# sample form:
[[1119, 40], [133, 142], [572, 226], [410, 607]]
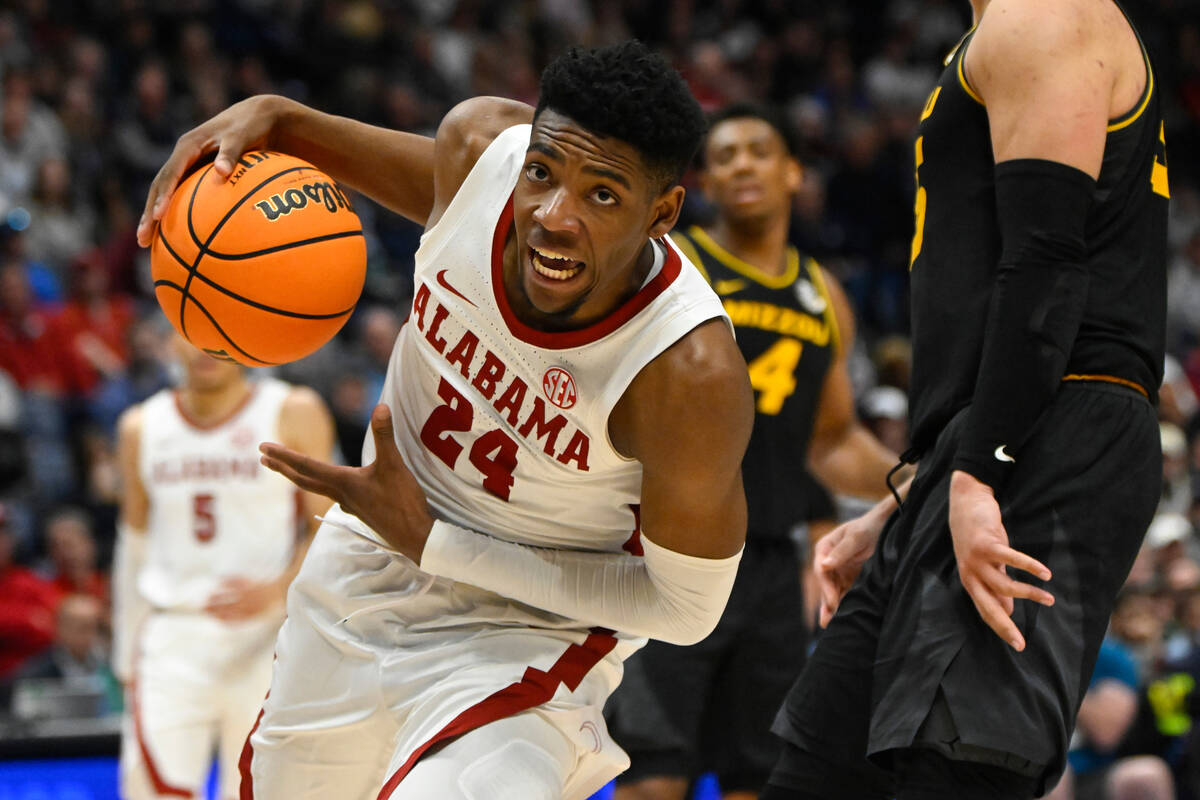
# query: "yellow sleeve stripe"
[[685, 245], [835, 330]]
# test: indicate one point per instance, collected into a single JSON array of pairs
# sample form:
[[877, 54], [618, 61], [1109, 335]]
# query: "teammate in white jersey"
[[208, 542], [553, 475]]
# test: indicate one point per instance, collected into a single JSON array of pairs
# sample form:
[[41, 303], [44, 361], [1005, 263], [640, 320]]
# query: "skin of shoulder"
[[687, 418], [464, 133], [1051, 76], [135, 504]]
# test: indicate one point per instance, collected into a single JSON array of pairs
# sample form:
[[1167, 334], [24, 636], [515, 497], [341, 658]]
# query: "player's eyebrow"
[[554, 155]]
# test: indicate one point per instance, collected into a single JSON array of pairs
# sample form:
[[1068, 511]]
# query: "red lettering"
[[463, 352], [489, 375], [577, 451], [495, 455], [439, 316], [455, 415], [419, 303], [512, 399], [537, 417]]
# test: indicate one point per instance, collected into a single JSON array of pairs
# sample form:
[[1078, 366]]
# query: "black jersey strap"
[[1036, 307]]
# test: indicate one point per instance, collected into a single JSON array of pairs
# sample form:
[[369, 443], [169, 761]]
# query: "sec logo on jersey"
[[559, 387]]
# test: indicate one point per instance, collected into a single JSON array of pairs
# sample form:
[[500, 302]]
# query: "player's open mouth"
[[553, 265]]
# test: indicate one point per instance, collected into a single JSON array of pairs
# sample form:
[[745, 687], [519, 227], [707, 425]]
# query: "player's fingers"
[[1005, 586], [993, 615], [830, 594], [382, 429], [163, 186], [1022, 561], [309, 474]]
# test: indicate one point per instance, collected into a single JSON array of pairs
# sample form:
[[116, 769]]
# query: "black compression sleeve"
[[1036, 307]]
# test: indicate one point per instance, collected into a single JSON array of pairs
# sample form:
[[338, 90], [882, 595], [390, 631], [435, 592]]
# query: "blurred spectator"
[[1177, 401], [94, 324], [1177, 484], [79, 646], [71, 558], [60, 227], [1183, 295], [29, 135], [27, 606], [31, 349], [146, 133], [884, 410]]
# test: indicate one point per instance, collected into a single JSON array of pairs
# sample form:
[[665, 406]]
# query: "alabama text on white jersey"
[[215, 511]]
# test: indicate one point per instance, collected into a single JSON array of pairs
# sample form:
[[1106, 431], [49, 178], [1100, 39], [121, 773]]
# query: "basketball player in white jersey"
[[208, 542], [554, 473]]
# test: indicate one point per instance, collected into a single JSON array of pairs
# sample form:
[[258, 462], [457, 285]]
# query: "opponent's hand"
[[839, 557], [240, 598], [383, 494], [983, 555], [246, 125]]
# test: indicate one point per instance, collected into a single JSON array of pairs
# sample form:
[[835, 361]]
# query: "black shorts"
[[907, 662], [683, 711]]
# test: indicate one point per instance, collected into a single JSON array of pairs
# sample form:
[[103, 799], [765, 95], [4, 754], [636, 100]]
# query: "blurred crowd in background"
[[94, 93]]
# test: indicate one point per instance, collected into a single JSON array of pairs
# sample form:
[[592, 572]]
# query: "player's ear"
[[665, 211], [793, 175]]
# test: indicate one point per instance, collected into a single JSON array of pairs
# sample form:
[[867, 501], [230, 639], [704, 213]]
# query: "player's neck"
[[210, 406], [762, 243]]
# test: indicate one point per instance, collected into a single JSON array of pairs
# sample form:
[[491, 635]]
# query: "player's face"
[[583, 209], [203, 372], [748, 172]]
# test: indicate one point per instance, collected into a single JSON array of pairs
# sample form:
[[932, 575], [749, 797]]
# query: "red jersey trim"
[[535, 688], [192, 422], [246, 791], [161, 787], [561, 340]]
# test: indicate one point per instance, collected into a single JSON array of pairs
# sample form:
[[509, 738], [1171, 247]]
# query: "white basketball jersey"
[[506, 427], [215, 511]]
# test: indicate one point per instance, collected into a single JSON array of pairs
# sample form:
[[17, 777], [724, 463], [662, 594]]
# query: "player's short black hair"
[[747, 110], [627, 91]]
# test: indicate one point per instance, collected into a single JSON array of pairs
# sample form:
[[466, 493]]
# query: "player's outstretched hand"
[[983, 555], [241, 598], [839, 557], [383, 494], [246, 125]]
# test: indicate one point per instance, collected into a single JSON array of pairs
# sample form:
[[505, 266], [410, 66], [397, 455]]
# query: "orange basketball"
[[263, 268]]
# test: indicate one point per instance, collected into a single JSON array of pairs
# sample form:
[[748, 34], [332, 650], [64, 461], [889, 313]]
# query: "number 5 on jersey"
[[204, 518]]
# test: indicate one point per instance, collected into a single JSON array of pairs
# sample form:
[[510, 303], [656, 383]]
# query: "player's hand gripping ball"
[[263, 268]]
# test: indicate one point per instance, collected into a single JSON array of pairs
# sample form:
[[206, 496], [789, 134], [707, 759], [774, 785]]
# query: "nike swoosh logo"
[[729, 286], [441, 279], [1003, 456]]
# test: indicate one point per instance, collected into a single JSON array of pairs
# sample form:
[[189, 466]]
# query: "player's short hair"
[[627, 91], [748, 110]]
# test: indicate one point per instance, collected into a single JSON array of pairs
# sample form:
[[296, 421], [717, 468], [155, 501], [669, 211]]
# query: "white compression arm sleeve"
[[664, 595], [129, 607]]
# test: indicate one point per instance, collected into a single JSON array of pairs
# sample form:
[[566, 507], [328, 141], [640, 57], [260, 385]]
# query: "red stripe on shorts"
[[161, 787], [247, 783], [535, 688]]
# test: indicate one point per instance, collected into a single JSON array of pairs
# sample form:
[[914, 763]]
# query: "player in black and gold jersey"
[[957, 661], [681, 711]]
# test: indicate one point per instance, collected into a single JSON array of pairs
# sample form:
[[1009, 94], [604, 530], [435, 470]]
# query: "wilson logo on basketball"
[[327, 194], [559, 387]]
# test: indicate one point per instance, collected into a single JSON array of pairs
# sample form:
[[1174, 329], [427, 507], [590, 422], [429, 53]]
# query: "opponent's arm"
[[1041, 74], [843, 454], [394, 168], [686, 417], [129, 607], [305, 426]]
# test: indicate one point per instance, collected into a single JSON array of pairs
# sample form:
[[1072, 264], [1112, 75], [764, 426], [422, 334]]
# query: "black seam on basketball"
[[325, 238], [196, 239], [192, 270], [283, 312], [215, 324]]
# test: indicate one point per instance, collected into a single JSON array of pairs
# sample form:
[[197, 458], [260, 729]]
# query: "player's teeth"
[[552, 254], [550, 272]]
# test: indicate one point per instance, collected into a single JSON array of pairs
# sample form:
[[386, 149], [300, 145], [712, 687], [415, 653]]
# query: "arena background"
[[93, 94]]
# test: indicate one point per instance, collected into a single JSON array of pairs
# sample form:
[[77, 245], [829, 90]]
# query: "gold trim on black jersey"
[[962, 78], [685, 245], [1127, 119], [790, 272], [818, 279]]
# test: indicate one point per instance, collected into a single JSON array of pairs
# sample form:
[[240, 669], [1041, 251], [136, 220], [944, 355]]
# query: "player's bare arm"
[[843, 454], [305, 426], [687, 418], [1051, 78], [133, 513]]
